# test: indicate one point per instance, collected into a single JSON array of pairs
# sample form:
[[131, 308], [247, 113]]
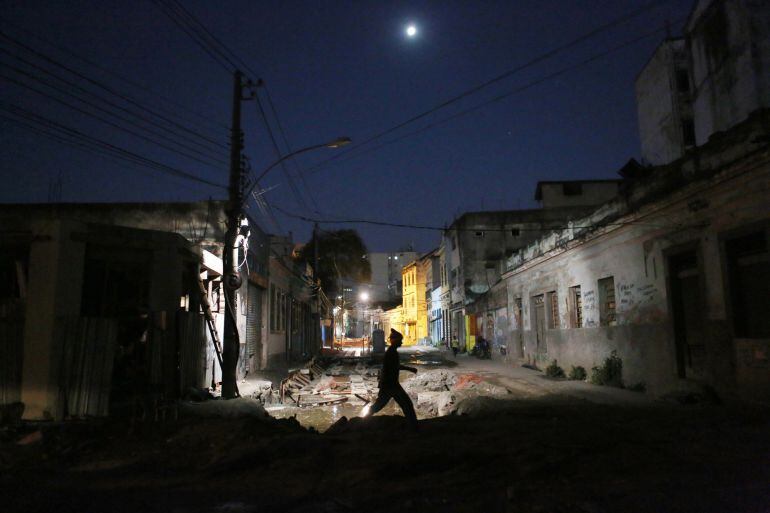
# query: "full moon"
[[411, 31]]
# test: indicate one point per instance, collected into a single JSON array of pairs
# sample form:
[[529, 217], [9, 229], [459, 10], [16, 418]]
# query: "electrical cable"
[[179, 23], [217, 41], [503, 96], [292, 184], [105, 87], [475, 89], [219, 55], [106, 121], [450, 229], [116, 159], [20, 112], [289, 149], [123, 78], [206, 39], [107, 102]]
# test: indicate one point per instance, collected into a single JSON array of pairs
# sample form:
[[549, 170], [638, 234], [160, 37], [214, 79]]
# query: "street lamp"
[[336, 143], [232, 278]]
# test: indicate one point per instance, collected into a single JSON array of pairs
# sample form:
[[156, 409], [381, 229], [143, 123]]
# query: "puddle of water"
[[322, 417], [434, 363]]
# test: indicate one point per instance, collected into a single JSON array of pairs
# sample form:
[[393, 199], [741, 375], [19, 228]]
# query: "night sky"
[[333, 69]]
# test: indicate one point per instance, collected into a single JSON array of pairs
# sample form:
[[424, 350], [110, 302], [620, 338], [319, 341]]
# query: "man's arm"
[[410, 369]]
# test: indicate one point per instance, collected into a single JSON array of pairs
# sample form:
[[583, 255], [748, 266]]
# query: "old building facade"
[[106, 283], [706, 81], [415, 314], [671, 275]]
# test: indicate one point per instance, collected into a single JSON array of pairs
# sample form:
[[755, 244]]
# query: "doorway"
[[538, 303], [687, 310]]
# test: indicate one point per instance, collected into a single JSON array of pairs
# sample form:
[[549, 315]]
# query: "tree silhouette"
[[341, 254]]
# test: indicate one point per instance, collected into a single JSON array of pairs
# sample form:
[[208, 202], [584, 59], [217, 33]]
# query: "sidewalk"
[[534, 383]]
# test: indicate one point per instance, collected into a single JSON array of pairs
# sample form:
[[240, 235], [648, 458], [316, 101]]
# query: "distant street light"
[[363, 296]]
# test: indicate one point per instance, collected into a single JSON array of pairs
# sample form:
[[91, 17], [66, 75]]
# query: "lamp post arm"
[[279, 161]]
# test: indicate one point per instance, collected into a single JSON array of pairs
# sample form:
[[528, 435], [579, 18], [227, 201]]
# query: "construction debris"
[[343, 385]]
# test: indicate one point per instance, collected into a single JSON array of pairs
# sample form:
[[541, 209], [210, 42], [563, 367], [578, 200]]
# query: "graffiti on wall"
[[638, 304]]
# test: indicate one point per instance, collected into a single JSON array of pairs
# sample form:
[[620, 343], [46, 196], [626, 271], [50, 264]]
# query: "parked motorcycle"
[[482, 349]]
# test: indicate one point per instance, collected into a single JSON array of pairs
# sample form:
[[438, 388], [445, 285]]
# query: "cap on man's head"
[[395, 334]]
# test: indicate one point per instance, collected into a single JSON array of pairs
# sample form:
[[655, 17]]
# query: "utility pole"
[[232, 278], [317, 286]]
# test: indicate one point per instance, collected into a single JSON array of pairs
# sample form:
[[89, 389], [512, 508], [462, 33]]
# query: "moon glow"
[[411, 31]]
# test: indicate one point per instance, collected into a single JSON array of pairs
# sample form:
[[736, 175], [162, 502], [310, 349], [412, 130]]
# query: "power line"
[[100, 98], [76, 134], [108, 122], [230, 61], [289, 148], [475, 89], [507, 94], [450, 229], [103, 120], [107, 88], [292, 184], [79, 145], [217, 42], [187, 30], [123, 78]]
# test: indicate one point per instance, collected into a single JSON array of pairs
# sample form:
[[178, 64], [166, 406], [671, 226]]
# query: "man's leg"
[[403, 400], [382, 400]]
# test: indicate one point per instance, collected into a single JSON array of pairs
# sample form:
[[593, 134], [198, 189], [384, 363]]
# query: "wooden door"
[[687, 310], [539, 311]]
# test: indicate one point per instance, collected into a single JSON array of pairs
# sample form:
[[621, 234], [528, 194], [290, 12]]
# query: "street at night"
[[546, 445], [385, 256]]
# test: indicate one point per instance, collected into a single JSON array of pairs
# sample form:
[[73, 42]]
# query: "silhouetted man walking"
[[389, 385]]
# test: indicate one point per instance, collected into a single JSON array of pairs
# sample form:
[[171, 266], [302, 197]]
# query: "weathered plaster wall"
[[730, 55], [639, 336], [486, 239], [54, 290], [592, 192], [658, 106], [727, 192]]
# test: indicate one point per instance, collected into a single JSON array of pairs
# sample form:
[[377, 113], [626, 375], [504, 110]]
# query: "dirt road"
[[550, 450]]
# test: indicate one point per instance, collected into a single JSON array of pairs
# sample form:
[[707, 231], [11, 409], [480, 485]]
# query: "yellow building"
[[415, 313], [393, 318]]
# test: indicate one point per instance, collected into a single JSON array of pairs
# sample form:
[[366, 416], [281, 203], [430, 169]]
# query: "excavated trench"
[[326, 391]]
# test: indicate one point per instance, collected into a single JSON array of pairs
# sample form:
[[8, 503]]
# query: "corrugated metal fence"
[[193, 338], [88, 352]]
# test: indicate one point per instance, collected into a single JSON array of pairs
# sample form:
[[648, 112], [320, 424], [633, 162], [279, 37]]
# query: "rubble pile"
[[262, 391], [441, 392], [325, 391]]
